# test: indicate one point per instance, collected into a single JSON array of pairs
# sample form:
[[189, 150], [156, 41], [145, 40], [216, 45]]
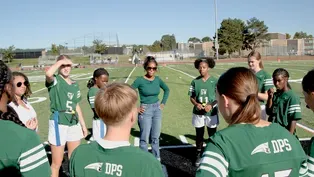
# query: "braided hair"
[[97, 73], [5, 78]]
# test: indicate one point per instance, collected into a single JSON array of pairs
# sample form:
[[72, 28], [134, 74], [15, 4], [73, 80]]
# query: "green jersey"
[[204, 92], [285, 109], [149, 90], [310, 163], [247, 150], [22, 153], [64, 98], [107, 158], [91, 99], [265, 82]]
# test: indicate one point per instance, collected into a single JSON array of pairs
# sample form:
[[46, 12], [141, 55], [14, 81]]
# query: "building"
[[309, 46], [28, 53], [295, 46], [208, 48], [276, 36]]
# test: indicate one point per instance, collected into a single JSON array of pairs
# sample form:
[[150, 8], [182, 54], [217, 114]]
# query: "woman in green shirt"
[[149, 118]]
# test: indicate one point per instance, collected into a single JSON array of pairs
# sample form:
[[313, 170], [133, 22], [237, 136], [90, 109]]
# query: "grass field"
[[176, 124]]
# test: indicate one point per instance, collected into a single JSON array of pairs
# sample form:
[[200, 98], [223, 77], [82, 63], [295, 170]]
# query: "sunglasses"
[[152, 68], [66, 65], [19, 84]]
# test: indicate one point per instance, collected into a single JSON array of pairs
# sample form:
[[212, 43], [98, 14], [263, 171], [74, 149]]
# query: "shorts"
[[99, 129], [263, 112], [60, 134], [199, 121]]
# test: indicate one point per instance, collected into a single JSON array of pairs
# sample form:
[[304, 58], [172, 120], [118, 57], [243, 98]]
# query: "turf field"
[[176, 124]]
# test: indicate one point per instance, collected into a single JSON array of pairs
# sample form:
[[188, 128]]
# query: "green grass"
[[178, 110]]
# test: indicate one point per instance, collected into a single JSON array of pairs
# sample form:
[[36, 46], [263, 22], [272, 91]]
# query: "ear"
[[225, 100]]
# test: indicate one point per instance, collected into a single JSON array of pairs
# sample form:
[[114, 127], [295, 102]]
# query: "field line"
[[136, 141], [127, 79], [298, 124], [183, 139]]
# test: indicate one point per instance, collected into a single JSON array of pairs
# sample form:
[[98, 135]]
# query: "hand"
[[32, 124], [66, 62], [270, 93], [141, 109], [162, 106], [199, 106], [208, 108], [85, 132]]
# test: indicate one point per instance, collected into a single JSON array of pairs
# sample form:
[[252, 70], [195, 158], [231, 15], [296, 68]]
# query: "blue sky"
[[38, 23]]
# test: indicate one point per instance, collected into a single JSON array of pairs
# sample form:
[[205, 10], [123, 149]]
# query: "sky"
[[38, 23]]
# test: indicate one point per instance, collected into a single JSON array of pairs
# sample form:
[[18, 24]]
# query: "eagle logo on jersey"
[[264, 147], [94, 166], [203, 91], [70, 95]]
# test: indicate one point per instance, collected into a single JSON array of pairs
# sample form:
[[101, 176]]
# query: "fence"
[[103, 59], [47, 60]]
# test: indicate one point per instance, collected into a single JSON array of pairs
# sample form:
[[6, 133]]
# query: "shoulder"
[[17, 132], [266, 74], [82, 150], [13, 105]]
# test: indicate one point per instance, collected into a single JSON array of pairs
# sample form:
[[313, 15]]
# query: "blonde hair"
[[114, 102], [258, 57]]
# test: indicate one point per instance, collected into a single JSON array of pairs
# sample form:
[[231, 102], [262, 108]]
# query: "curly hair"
[[210, 62], [98, 72], [149, 59], [5, 78], [28, 90]]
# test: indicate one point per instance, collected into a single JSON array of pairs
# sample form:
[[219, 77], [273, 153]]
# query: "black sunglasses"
[[152, 68], [19, 84]]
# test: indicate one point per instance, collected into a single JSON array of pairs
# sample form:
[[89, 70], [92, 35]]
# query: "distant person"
[[22, 153], [23, 108], [308, 92], [283, 106], [264, 79], [66, 124], [99, 80], [149, 118], [249, 146], [113, 155], [202, 94]]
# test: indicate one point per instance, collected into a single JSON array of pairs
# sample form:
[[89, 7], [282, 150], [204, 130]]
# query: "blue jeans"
[[150, 126]]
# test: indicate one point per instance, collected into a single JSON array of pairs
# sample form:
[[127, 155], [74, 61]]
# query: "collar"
[[106, 144]]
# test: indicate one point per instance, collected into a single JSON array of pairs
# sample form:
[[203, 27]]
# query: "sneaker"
[[198, 159]]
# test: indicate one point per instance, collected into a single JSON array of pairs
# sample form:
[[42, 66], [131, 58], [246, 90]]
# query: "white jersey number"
[[282, 173]]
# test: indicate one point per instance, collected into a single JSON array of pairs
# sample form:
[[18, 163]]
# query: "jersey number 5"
[[69, 106], [282, 173]]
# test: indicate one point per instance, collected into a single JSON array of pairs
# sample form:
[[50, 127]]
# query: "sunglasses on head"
[[152, 68], [19, 84]]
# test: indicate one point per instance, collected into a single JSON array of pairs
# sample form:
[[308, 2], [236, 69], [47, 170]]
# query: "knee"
[[56, 164]]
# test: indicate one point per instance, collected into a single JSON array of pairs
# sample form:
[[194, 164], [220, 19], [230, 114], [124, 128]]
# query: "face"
[[309, 99], [280, 82], [203, 69], [151, 68], [102, 80], [20, 85], [253, 63], [65, 70]]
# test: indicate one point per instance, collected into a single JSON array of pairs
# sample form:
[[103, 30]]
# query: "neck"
[[257, 70], [148, 76], [206, 76], [18, 98], [117, 134]]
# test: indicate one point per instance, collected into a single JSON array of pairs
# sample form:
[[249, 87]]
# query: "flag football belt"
[[74, 117]]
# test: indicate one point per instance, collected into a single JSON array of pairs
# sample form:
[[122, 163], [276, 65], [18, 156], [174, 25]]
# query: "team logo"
[[264, 147], [203, 91], [94, 166], [70, 95]]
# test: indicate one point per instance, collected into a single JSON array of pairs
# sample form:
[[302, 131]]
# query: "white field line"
[[183, 139], [127, 79], [136, 141]]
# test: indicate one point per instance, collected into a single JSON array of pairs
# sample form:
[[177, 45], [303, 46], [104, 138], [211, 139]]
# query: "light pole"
[[216, 39]]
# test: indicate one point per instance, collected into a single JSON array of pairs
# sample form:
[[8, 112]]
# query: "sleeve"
[[304, 170], [310, 160], [78, 94], [166, 90], [135, 84], [268, 82], [33, 159], [213, 162], [91, 99], [191, 92], [294, 108], [53, 83]]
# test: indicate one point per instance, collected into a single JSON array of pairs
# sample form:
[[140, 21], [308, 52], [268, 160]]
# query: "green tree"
[[168, 42], [194, 40], [255, 33], [8, 54], [288, 36], [155, 47], [301, 35], [99, 46], [206, 39], [54, 49], [230, 36]]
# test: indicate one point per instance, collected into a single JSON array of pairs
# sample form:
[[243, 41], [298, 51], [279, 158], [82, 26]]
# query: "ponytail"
[[91, 83], [261, 65], [11, 115], [246, 113]]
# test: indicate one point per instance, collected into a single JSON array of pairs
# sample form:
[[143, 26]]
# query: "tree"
[[288, 36], [54, 49], [99, 46], [8, 54], [230, 36], [254, 34], [156, 47], [206, 39], [194, 40], [168, 42], [301, 35]]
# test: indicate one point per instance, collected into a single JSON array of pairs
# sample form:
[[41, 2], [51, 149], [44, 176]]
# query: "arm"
[[263, 96], [33, 160], [166, 91], [269, 103], [81, 119], [293, 126], [294, 112], [50, 72]]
